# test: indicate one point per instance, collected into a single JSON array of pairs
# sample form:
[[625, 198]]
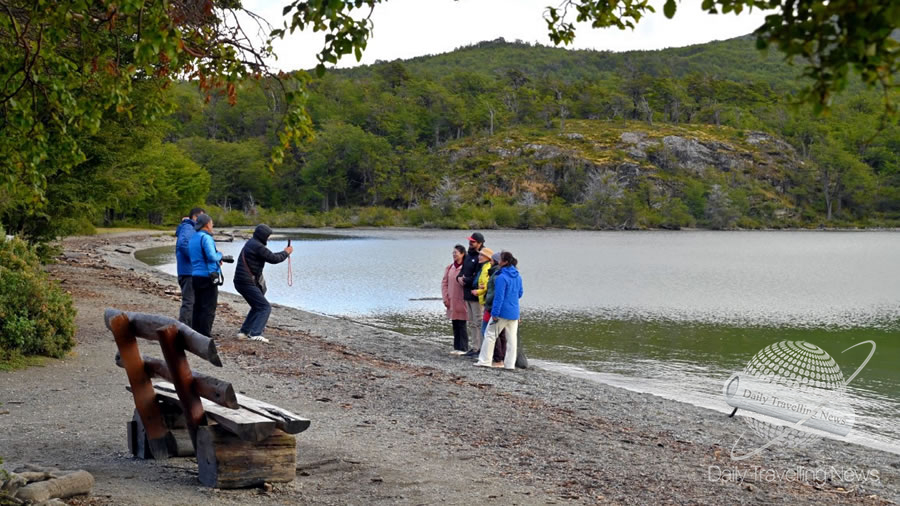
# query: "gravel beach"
[[395, 418]]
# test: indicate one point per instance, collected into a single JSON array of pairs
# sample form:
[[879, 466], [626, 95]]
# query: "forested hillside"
[[511, 135]]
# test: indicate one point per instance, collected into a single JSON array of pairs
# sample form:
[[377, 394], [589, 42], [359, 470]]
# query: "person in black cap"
[[249, 281], [183, 235], [469, 275]]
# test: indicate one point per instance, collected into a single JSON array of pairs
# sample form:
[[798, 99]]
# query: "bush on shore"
[[36, 316]]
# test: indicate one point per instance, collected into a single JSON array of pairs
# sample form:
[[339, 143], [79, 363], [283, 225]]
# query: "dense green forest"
[[504, 134]]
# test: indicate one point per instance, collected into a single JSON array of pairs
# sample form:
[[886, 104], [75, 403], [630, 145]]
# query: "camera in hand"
[[228, 259]]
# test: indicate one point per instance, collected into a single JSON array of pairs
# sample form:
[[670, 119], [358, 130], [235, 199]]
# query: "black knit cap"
[[477, 237]]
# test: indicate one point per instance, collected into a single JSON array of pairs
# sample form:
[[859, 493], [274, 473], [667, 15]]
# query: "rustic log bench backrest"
[[174, 338]]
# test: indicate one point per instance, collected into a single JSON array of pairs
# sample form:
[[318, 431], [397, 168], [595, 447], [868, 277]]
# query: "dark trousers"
[[186, 314], [460, 335], [500, 347], [206, 296], [260, 309]]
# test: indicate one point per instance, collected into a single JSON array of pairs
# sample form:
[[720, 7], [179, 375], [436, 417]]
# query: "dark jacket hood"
[[262, 233]]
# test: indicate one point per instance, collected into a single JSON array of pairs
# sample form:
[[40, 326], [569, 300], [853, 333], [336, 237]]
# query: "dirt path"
[[395, 418]]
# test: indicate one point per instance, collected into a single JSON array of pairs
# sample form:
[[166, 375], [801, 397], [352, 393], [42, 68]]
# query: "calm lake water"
[[669, 313]]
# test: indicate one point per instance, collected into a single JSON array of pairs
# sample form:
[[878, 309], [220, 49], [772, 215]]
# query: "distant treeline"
[[391, 136]]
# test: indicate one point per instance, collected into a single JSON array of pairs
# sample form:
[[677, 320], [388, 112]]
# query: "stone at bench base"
[[226, 461]]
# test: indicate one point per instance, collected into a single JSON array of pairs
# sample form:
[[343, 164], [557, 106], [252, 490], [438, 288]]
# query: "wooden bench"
[[238, 441]]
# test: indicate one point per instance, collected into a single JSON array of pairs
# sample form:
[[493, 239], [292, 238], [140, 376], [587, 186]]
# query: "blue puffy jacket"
[[204, 257], [183, 235], [507, 292]]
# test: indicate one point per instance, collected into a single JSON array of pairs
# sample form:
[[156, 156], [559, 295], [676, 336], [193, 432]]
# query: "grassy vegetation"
[[36, 316], [16, 361]]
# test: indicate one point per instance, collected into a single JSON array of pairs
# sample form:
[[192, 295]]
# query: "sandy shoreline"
[[397, 420]]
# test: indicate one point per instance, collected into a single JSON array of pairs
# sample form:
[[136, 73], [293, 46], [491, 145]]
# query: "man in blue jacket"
[[505, 308], [206, 274], [183, 235]]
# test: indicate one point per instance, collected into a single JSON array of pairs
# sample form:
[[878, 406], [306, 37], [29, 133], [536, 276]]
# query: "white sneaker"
[[241, 335], [259, 339]]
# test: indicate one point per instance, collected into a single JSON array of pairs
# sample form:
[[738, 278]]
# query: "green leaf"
[[669, 8]]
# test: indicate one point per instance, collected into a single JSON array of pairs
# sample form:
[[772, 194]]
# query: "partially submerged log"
[[226, 461], [208, 387], [67, 485]]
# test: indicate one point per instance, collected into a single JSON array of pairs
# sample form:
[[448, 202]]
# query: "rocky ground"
[[395, 419]]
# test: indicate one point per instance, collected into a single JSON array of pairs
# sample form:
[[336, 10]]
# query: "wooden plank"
[[284, 419], [145, 325], [131, 434], [141, 443], [246, 424], [208, 387], [226, 461]]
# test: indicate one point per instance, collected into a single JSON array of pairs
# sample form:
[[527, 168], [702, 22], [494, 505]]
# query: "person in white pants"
[[504, 312]]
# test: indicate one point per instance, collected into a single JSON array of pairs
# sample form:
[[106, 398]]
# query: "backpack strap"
[[221, 280]]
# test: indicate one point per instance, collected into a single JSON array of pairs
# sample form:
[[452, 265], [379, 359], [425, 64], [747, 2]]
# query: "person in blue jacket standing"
[[183, 235], [505, 308], [206, 274]]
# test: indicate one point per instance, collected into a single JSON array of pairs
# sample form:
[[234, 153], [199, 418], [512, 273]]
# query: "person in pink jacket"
[[452, 292]]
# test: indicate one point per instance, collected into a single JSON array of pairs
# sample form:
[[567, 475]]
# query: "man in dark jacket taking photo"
[[249, 281]]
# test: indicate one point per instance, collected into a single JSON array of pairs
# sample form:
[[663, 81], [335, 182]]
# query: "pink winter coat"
[[452, 292]]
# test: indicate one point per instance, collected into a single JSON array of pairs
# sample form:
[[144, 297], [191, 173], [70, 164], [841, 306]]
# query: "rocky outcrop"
[[685, 153], [563, 164]]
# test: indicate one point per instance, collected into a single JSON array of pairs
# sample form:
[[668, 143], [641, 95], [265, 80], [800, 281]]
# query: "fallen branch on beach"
[[32, 484]]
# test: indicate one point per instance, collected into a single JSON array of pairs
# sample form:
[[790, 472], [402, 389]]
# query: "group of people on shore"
[[481, 291], [200, 275]]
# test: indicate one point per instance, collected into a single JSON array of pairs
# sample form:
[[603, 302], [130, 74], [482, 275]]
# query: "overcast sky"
[[409, 28]]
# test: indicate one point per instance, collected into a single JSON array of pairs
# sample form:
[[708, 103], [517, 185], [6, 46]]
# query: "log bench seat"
[[238, 441]]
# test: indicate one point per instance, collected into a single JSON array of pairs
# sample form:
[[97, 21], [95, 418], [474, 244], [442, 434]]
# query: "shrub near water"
[[36, 316]]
